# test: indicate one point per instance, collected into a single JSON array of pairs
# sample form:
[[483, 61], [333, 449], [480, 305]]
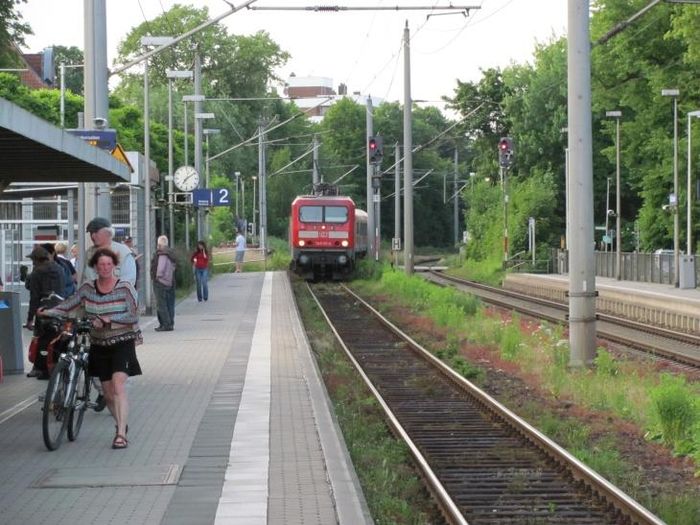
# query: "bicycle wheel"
[[80, 403], [55, 413]]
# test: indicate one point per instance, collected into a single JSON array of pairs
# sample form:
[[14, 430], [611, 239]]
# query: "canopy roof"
[[33, 150]]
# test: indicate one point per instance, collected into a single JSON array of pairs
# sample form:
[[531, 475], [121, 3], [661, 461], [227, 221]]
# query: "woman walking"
[[200, 264], [113, 306]]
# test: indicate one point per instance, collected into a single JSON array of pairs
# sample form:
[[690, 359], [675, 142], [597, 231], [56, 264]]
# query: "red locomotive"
[[327, 235]]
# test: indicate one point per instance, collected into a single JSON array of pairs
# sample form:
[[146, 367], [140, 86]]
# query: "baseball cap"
[[97, 224], [38, 254]]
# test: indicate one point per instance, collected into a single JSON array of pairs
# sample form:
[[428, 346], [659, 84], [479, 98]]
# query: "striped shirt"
[[120, 305]]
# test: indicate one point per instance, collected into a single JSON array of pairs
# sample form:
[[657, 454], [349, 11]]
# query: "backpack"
[[68, 271]]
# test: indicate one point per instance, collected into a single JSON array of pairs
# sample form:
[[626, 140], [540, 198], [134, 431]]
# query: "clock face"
[[186, 178]]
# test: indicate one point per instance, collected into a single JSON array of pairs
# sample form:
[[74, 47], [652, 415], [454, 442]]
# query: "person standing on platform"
[[163, 274], [240, 251], [115, 333], [47, 277], [101, 234], [200, 264], [129, 243], [69, 273]]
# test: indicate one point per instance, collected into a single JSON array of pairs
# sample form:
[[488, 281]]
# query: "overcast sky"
[[358, 48]]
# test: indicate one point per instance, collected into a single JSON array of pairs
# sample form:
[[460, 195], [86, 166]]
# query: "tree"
[[12, 31], [74, 75]]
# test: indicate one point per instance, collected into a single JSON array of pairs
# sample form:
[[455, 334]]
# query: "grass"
[[666, 408]]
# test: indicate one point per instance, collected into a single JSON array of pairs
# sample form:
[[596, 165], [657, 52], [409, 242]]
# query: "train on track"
[[327, 235]]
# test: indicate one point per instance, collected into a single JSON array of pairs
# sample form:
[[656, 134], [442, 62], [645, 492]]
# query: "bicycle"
[[68, 392]]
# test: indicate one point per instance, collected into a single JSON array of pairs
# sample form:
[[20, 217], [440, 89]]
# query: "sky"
[[361, 49]]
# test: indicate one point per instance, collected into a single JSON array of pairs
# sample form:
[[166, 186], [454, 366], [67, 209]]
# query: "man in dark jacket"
[[47, 277]]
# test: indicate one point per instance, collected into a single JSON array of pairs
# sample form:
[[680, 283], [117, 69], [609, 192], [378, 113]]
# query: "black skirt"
[[120, 357]]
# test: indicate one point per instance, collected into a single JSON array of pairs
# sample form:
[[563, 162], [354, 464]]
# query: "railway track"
[[680, 347], [482, 463]]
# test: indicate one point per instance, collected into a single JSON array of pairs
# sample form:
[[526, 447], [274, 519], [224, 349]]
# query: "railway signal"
[[375, 149], [505, 152]]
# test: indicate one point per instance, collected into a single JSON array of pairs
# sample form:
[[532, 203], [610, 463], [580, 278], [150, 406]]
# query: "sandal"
[[119, 442]]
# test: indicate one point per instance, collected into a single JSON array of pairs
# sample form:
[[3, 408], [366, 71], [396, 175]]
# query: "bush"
[[675, 408]]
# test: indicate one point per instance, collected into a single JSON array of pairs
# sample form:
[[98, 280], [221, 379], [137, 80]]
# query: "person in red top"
[[200, 265]]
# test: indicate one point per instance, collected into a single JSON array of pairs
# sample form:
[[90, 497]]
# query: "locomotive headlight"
[[301, 242], [342, 260], [344, 243]]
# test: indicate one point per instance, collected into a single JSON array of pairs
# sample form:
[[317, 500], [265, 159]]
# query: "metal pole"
[[63, 95], [198, 134], [255, 222], [397, 199], [369, 122], [607, 215], [147, 248], [689, 197], [408, 156], [618, 210], [582, 288], [676, 209], [456, 201], [504, 180], [238, 175], [171, 221], [206, 184], [316, 178], [567, 239], [184, 107]]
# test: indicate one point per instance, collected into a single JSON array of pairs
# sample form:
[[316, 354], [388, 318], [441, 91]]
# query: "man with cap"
[[46, 277], [101, 233]]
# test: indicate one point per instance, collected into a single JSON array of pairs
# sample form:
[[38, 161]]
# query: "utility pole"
[[408, 156], [396, 245], [262, 189], [370, 171], [316, 178], [456, 201], [582, 287]]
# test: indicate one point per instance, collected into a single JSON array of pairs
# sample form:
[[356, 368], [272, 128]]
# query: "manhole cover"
[[108, 477]]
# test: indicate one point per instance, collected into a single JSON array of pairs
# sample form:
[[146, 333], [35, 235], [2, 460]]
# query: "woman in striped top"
[[113, 306]]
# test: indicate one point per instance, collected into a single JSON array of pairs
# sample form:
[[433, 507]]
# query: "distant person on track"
[[163, 274], [200, 265], [240, 251], [113, 304]]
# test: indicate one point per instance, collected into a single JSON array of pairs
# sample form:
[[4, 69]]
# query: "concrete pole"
[[607, 215], [206, 185], [456, 201], [618, 199], [184, 116], [397, 198], [582, 288], [408, 156], [316, 178], [171, 215], [198, 135], [369, 120], [689, 196], [262, 188], [98, 199]]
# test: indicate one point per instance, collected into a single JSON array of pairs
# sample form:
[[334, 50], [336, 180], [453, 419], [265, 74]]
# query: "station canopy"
[[33, 150]]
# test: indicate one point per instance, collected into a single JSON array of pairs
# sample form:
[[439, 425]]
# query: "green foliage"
[[605, 364], [676, 408], [511, 341], [12, 31], [369, 270]]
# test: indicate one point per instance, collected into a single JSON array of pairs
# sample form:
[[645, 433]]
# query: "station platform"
[[229, 424], [658, 304]]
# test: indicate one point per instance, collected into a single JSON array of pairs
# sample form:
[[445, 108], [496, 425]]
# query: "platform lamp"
[[618, 253], [689, 200], [674, 93], [172, 75]]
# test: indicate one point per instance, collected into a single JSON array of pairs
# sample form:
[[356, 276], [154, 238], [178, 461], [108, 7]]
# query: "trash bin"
[[686, 276], [11, 330]]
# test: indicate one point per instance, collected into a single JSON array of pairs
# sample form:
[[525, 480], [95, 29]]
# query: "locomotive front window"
[[311, 214], [337, 214], [333, 214]]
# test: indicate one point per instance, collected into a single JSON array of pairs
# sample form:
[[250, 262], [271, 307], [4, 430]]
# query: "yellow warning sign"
[[119, 154]]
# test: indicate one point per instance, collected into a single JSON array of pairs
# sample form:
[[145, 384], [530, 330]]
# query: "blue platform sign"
[[202, 197], [102, 138], [211, 197]]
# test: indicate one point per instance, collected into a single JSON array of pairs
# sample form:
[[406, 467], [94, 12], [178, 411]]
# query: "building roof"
[[33, 150], [310, 81]]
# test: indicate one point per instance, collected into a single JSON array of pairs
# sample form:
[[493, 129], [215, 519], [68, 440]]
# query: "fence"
[[635, 266]]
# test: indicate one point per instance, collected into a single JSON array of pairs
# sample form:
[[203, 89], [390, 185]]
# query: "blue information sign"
[[102, 138], [211, 197]]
